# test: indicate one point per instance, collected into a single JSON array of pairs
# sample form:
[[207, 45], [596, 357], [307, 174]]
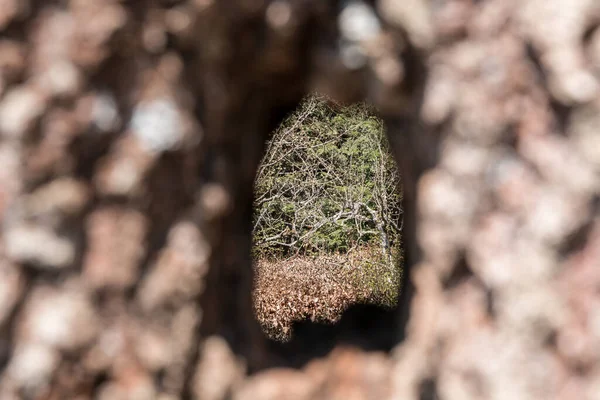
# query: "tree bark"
[[130, 134]]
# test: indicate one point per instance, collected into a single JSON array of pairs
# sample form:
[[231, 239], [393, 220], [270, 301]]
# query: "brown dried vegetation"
[[320, 288]]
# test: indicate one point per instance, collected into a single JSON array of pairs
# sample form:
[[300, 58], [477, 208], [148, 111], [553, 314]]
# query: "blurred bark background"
[[130, 132]]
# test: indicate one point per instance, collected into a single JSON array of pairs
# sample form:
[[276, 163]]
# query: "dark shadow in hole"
[[366, 326]]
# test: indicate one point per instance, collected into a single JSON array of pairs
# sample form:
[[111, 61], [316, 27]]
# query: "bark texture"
[[130, 133]]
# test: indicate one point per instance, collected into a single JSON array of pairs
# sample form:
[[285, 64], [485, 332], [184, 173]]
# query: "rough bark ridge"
[[130, 135]]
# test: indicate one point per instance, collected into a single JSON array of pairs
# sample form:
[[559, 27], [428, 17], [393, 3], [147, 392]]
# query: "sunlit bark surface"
[[130, 133]]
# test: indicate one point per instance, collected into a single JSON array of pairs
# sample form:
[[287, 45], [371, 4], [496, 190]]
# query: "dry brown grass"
[[319, 288]]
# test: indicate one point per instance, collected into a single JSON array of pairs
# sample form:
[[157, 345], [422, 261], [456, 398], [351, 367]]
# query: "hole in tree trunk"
[[327, 233]]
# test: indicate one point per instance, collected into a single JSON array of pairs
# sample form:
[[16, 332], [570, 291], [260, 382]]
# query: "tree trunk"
[[130, 133]]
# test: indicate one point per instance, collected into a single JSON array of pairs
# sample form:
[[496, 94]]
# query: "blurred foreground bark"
[[130, 133]]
